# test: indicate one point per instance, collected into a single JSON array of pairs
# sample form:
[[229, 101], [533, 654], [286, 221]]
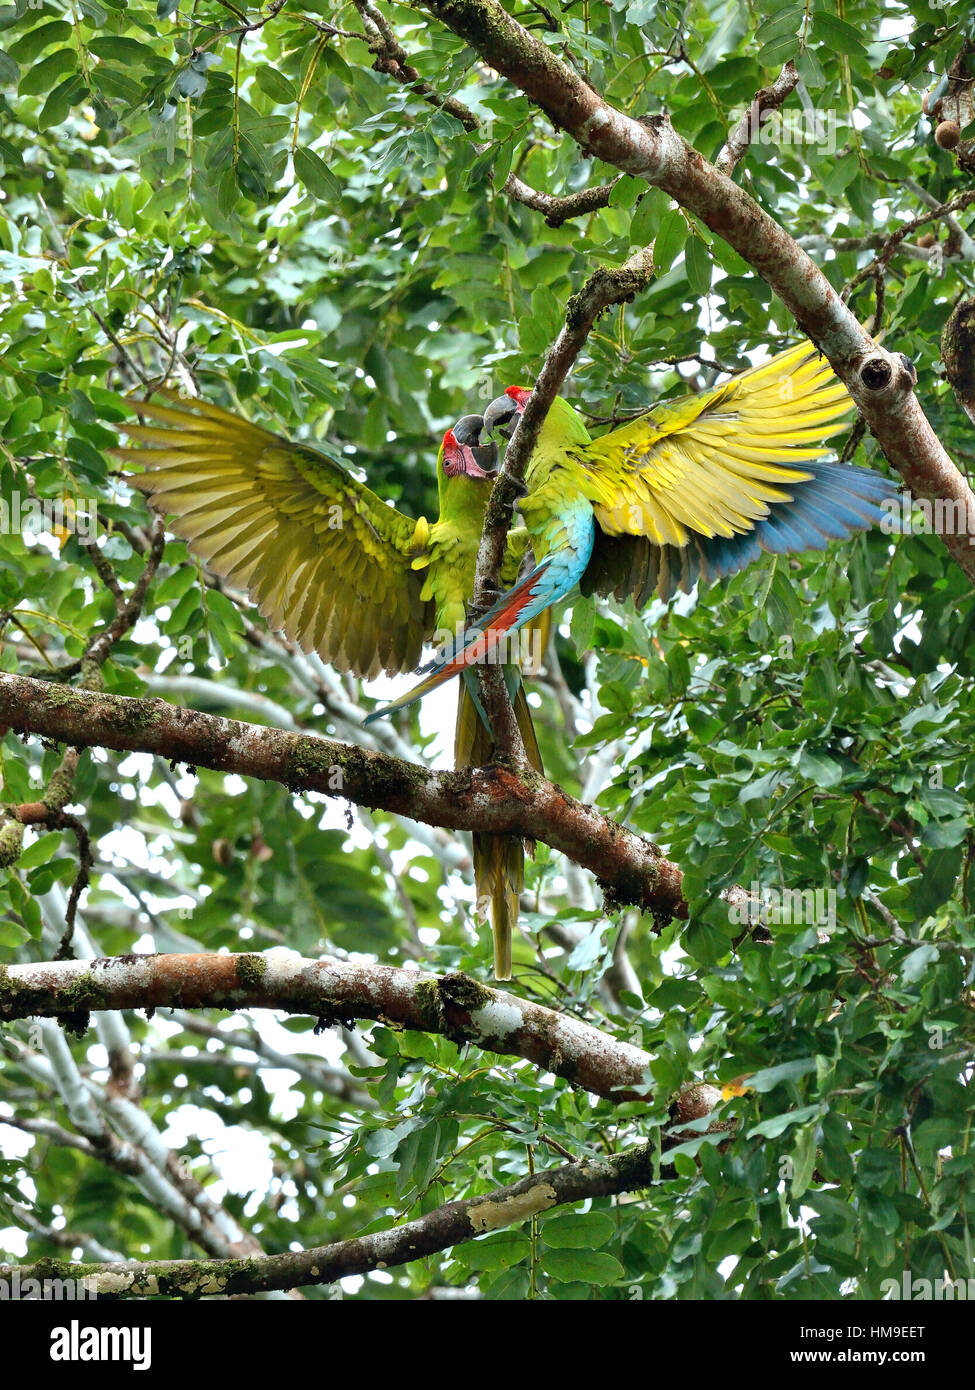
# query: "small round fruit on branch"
[[947, 135], [929, 107]]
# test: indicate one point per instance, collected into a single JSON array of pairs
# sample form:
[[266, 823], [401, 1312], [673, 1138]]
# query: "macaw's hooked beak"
[[502, 414], [464, 453]]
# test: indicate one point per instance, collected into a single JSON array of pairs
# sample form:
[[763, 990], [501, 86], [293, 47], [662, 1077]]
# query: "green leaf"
[[582, 1266], [940, 877], [645, 223], [578, 1231], [818, 766], [12, 935], [500, 1251], [778, 1124], [625, 192], [39, 852], [59, 102], [669, 240], [315, 174], [128, 52], [275, 85], [838, 36], [770, 1077], [582, 624], [810, 69], [33, 44], [191, 83], [698, 263], [916, 965], [44, 74]]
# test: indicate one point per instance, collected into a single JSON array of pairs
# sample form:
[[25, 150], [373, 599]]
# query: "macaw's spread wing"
[[713, 464], [837, 501], [324, 558], [700, 487]]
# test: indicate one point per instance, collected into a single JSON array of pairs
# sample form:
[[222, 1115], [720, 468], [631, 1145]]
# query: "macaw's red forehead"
[[519, 394], [450, 440]]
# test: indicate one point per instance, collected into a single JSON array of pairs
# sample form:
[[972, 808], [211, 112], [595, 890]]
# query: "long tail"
[[499, 860]]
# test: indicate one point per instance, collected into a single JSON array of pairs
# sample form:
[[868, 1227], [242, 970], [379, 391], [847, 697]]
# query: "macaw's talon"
[[518, 486]]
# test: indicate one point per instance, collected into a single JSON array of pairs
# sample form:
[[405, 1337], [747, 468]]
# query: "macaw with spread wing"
[[339, 571], [695, 489]]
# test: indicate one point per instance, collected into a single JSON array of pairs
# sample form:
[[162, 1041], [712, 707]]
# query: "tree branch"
[[559, 210], [152, 1167], [452, 1224], [334, 991], [630, 869], [392, 58], [767, 99]]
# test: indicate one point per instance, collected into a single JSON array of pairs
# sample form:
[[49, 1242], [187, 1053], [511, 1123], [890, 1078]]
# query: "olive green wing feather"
[[325, 559]]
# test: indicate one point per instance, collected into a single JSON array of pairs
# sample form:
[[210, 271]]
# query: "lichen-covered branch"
[[630, 869], [559, 210], [333, 991], [452, 1224]]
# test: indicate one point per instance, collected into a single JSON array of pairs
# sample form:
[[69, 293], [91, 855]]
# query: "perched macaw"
[[339, 571], [695, 489]]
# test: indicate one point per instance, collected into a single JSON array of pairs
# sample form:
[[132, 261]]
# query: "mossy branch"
[[333, 992], [485, 798]]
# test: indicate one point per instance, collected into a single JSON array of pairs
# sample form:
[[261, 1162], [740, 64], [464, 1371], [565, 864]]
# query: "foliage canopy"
[[238, 201]]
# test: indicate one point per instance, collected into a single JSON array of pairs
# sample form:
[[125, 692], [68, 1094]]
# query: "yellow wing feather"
[[324, 558], [711, 464]]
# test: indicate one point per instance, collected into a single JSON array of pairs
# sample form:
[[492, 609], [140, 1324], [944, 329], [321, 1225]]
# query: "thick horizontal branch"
[[452, 1224], [333, 992], [880, 382], [629, 868]]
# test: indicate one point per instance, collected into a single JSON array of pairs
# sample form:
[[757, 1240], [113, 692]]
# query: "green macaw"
[[695, 489], [340, 572]]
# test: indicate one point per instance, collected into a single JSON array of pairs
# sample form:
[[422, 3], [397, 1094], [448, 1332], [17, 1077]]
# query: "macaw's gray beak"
[[501, 415], [468, 455]]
